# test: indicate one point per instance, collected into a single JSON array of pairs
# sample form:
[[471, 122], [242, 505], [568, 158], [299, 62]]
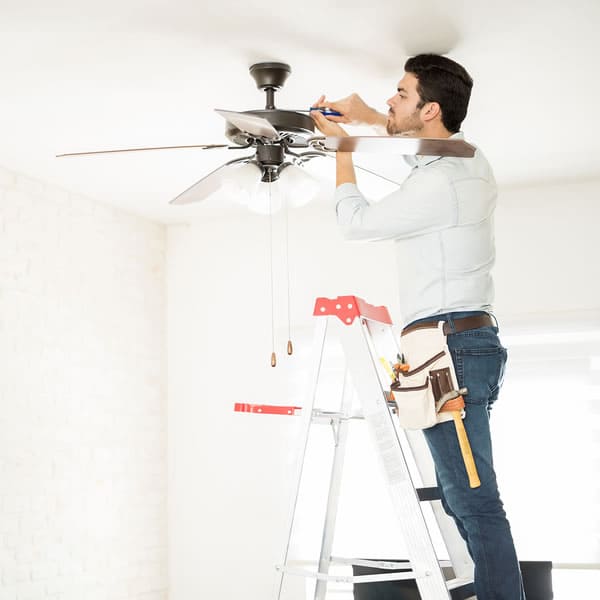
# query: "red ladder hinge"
[[347, 308]]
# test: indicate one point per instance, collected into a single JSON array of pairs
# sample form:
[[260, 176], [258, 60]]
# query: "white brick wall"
[[82, 398]]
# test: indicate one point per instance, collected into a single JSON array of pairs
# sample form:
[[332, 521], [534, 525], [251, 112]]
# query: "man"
[[441, 222]]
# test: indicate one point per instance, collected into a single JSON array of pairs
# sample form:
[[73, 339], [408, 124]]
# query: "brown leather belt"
[[463, 324]]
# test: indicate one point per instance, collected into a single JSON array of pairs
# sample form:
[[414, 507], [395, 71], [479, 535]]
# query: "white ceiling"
[[80, 75]]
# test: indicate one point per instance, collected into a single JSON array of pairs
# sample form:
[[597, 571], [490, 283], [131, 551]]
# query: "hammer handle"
[[465, 449]]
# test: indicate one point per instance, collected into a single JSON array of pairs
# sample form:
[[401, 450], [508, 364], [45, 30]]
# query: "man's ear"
[[430, 111]]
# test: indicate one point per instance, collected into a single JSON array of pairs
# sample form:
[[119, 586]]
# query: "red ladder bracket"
[[347, 308], [267, 409]]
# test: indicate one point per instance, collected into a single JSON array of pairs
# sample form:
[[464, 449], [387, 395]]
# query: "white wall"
[[82, 395], [229, 472], [547, 422], [548, 247]]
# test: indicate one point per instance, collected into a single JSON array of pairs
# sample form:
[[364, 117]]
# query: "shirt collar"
[[420, 161]]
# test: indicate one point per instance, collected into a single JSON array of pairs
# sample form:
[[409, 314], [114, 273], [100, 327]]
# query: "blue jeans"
[[479, 360]]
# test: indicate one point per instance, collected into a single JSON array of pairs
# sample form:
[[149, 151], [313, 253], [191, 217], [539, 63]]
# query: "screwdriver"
[[327, 112]]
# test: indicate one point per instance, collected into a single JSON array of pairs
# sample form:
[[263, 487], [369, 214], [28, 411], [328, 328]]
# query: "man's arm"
[[344, 169], [424, 203]]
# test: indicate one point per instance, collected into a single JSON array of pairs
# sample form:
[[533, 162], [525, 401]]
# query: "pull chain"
[[273, 355], [290, 348]]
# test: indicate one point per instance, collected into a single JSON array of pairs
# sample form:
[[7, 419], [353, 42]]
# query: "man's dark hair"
[[443, 81]]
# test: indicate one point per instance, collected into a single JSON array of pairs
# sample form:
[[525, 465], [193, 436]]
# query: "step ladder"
[[368, 341]]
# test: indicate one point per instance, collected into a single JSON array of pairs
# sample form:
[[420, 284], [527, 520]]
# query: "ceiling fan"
[[285, 139]]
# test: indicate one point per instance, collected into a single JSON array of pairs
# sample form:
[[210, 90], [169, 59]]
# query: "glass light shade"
[[261, 203], [238, 182], [300, 187]]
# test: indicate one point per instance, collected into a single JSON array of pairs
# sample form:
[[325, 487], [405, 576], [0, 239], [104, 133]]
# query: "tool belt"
[[425, 378], [425, 387]]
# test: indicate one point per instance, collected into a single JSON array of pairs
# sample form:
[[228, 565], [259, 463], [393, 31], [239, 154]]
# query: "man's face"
[[404, 116]]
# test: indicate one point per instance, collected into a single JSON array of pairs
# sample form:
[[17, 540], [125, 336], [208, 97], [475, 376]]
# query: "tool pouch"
[[431, 379]]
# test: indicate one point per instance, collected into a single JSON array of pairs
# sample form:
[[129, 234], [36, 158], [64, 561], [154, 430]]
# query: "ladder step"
[[405, 587], [427, 494], [376, 576], [461, 589]]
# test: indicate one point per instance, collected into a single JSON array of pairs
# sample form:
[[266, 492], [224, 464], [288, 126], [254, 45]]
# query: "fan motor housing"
[[299, 127]]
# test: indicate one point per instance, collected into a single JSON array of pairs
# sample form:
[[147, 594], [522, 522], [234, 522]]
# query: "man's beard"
[[409, 126]]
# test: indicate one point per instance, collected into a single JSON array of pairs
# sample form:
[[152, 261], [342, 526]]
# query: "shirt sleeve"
[[424, 203]]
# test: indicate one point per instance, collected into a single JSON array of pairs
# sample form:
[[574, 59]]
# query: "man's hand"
[[354, 111], [325, 126], [344, 167]]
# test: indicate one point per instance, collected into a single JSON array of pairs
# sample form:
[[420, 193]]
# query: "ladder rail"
[[335, 482], [318, 349]]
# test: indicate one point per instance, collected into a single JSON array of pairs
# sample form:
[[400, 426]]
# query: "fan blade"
[[202, 146], [402, 145], [251, 124], [207, 185]]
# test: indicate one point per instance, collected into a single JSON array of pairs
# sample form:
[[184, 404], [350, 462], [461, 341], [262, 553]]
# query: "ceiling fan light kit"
[[294, 188]]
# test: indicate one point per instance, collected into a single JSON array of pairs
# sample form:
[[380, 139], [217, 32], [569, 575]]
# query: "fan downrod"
[[270, 76]]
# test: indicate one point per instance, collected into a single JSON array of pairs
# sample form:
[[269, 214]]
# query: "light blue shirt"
[[441, 222]]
